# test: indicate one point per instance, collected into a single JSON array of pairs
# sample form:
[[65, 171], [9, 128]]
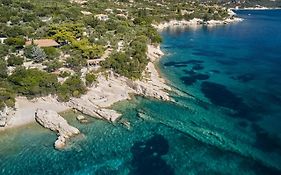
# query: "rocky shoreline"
[[108, 89], [196, 22], [53, 121]]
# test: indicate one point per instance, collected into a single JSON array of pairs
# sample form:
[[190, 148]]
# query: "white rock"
[[52, 120], [5, 115]]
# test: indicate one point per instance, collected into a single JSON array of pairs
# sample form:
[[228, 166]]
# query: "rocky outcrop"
[[85, 106], [154, 52], [196, 22], [113, 88], [5, 115], [53, 121]]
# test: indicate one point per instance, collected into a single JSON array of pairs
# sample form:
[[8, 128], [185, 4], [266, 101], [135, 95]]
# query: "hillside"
[[248, 3]]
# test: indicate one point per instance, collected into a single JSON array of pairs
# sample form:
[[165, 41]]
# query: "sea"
[[225, 117]]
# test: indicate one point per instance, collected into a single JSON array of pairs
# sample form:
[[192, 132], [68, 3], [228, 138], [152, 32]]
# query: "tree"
[[7, 95], [33, 82], [75, 62], [3, 69], [37, 54]]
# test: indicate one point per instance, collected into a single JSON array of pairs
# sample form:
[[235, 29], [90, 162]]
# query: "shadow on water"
[[207, 53], [193, 78], [227, 62], [244, 78], [219, 95], [266, 141], [183, 63], [197, 67], [147, 157]]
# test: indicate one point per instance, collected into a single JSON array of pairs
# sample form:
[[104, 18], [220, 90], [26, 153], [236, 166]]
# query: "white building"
[[2, 39]]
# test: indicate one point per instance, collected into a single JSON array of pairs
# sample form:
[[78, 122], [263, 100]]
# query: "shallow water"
[[225, 119]]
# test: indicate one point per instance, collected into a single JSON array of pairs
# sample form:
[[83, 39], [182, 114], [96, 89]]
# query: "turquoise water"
[[226, 118]]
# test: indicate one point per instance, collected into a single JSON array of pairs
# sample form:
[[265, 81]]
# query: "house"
[[2, 39], [42, 43], [102, 17]]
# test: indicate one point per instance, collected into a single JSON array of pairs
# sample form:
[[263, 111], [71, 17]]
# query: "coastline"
[[99, 98], [109, 89], [195, 22], [257, 8]]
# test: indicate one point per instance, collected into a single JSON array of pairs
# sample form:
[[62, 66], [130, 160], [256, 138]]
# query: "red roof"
[[43, 43]]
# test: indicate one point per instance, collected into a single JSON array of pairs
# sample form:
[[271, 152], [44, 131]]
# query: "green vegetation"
[[72, 87], [53, 65], [3, 69], [37, 54], [82, 37], [15, 41], [14, 60], [33, 82], [90, 78], [130, 63], [7, 95], [51, 52]]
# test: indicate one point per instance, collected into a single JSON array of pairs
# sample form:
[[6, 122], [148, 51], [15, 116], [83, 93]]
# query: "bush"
[[53, 65], [4, 50], [3, 69], [14, 60], [28, 51], [64, 74], [90, 78], [15, 41], [51, 52]]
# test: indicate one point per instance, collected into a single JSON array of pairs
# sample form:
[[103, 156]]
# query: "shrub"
[[14, 60], [51, 52], [15, 41], [3, 69], [90, 78]]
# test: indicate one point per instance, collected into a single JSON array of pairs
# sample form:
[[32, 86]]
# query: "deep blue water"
[[225, 118]]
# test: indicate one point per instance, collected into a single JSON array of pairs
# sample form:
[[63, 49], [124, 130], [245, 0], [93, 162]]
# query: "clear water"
[[226, 118]]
